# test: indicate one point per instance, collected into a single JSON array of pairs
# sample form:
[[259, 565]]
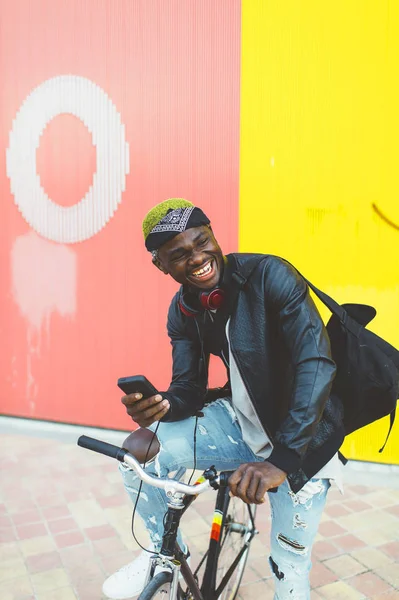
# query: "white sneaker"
[[129, 581]]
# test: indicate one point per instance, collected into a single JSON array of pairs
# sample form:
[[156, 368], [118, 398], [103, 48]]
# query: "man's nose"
[[196, 258]]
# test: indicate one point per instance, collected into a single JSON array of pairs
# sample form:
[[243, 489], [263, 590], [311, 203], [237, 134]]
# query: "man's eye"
[[178, 257], [203, 242]]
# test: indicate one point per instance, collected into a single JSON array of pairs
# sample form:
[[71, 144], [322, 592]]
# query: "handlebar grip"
[[224, 478], [102, 447]]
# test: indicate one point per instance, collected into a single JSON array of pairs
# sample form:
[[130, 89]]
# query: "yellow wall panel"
[[319, 156]]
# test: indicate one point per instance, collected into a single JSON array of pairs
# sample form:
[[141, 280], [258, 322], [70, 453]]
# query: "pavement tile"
[[61, 525], [394, 510], [56, 512], [86, 573], [77, 555], [69, 538], [344, 566], [391, 549], [330, 529], [321, 575], [315, 595], [324, 549], [87, 513], [47, 500], [358, 521], [10, 569], [100, 532], [37, 545], [349, 542], [391, 595], [5, 521], [372, 558], [113, 562], [377, 536], [389, 573], [66, 593], [339, 590], [360, 490], [369, 584], [9, 551], [114, 500], [19, 504], [32, 530], [20, 587], [256, 591], [380, 499], [336, 510], [105, 547], [7, 534], [78, 495], [90, 591], [356, 505], [250, 575], [26, 517], [51, 580], [43, 562], [260, 564]]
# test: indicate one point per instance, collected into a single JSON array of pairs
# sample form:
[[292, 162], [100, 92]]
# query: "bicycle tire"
[[158, 587], [236, 531]]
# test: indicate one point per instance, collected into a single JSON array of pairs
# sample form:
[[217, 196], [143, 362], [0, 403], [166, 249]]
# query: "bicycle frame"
[[172, 556], [180, 496]]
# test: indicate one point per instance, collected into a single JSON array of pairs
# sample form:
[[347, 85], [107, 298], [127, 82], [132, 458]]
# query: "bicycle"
[[219, 572]]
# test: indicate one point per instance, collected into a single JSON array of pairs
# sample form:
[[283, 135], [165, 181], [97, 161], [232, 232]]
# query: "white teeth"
[[204, 271]]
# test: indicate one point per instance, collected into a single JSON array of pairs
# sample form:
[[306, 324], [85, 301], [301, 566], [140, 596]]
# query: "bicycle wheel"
[[237, 531], [158, 588]]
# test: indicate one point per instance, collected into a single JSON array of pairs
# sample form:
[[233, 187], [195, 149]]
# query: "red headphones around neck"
[[192, 304]]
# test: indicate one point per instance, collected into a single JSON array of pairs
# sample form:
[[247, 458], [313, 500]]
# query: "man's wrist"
[[284, 458]]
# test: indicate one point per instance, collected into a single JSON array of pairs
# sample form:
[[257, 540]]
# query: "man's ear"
[[158, 264]]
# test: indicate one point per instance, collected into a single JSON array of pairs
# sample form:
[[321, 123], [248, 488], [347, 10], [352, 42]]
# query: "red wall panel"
[[76, 316]]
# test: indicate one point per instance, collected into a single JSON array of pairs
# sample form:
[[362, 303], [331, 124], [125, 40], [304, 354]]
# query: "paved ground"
[[65, 525]]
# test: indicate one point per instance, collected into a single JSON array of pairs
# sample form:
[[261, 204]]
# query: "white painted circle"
[[68, 94]]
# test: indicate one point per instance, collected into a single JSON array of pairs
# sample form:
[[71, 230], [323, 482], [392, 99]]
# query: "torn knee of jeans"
[[305, 496], [291, 545], [275, 569]]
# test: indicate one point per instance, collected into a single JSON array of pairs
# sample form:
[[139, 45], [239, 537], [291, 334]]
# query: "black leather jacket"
[[282, 351]]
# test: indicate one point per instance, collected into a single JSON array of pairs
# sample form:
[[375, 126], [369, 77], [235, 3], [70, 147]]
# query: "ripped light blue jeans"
[[295, 517]]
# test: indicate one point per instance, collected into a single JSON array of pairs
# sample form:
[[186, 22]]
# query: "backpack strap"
[[391, 422], [333, 306]]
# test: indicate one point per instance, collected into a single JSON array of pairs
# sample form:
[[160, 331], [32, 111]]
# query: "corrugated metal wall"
[[319, 135], [151, 95]]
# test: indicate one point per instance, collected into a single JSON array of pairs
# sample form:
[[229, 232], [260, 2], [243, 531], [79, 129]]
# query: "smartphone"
[[137, 383]]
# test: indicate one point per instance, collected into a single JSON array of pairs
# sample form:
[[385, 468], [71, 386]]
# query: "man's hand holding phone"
[[145, 411], [142, 401]]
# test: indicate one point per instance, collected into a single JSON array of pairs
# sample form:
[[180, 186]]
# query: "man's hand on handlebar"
[[145, 411], [251, 481]]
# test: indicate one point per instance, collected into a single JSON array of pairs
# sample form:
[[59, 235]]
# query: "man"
[[278, 428]]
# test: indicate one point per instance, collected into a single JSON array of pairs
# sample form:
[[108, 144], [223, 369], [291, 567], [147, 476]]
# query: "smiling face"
[[193, 258]]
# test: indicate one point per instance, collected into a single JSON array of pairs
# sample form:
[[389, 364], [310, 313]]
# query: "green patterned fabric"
[[160, 210]]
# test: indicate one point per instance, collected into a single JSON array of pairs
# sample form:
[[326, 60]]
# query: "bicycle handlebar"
[[102, 447], [169, 485]]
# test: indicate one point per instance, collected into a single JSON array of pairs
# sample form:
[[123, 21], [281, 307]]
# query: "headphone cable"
[[138, 495]]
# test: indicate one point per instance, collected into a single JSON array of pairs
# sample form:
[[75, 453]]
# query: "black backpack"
[[367, 377]]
